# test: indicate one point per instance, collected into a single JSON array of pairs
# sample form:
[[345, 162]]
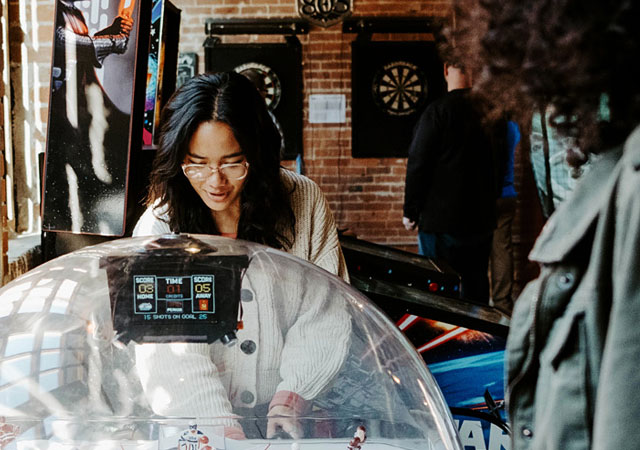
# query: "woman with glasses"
[[217, 171]]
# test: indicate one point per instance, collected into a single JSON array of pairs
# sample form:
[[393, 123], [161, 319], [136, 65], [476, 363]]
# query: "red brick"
[[226, 10], [282, 10], [253, 11]]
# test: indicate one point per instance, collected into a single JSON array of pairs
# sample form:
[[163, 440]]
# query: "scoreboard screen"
[[166, 295], [174, 294]]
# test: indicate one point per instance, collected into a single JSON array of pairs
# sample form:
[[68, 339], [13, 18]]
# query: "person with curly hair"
[[573, 349], [217, 171]]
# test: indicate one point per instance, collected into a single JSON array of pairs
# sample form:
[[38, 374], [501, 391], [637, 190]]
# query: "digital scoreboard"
[[174, 294], [183, 291]]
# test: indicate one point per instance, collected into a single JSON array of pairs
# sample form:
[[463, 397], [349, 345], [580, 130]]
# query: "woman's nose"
[[216, 178]]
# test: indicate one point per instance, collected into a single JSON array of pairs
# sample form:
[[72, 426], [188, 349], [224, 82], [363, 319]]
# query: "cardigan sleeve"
[[324, 246], [317, 342], [181, 380], [315, 324]]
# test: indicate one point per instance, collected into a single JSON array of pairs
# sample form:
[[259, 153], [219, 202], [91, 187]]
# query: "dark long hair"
[[266, 215], [577, 56]]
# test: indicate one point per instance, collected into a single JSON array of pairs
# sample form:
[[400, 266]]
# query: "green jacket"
[[573, 352]]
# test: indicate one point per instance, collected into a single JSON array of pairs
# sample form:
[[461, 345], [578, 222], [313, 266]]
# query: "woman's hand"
[[234, 433], [283, 418]]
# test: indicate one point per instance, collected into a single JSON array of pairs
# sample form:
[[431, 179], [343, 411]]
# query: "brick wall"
[[4, 234]]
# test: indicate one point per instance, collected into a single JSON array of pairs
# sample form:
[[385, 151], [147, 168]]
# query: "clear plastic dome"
[[201, 343]]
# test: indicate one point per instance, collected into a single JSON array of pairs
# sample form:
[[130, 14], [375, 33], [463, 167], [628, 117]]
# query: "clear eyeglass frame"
[[231, 171]]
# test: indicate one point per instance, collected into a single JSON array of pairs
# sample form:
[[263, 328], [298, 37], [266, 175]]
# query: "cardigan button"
[[247, 397], [248, 346], [246, 295], [526, 432]]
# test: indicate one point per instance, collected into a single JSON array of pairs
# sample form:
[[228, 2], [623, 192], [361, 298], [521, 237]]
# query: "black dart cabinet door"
[[392, 83], [280, 65]]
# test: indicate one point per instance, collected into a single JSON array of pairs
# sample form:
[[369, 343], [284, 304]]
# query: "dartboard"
[[399, 88], [271, 89]]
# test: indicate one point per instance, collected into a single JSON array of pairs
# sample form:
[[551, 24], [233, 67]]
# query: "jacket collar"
[[571, 221]]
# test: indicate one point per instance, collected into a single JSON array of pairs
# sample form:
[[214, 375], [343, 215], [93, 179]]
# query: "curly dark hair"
[[577, 57], [266, 215]]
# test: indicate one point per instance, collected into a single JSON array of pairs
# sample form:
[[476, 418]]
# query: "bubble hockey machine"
[[181, 341]]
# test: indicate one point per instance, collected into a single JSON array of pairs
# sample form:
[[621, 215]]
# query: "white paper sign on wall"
[[327, 108]]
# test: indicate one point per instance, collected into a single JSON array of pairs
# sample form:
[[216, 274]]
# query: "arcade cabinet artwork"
[[462, 343], [161, 66], [90, 116]]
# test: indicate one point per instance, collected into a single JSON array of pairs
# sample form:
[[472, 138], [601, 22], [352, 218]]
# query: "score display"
[[174, 294], [175, 288]]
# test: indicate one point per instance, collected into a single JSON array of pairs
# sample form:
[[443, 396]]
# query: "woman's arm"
[[315, 347], [180, 380]]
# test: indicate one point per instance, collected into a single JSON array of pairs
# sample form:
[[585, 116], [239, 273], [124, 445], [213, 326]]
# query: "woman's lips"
[[218, 196]]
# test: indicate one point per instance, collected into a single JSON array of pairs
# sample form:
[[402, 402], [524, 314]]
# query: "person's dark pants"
[[466, 254], [501, 260]]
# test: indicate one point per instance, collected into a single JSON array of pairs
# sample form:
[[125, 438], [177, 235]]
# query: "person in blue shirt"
[[501, 261]]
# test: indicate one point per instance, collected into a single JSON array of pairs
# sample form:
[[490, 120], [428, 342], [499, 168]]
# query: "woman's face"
[[214, 144]]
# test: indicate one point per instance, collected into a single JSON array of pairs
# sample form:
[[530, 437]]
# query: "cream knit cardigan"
[[297, 323]]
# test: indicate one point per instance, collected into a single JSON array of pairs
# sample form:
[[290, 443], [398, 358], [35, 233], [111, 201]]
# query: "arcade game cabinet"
[[462, 343], [94, 169]]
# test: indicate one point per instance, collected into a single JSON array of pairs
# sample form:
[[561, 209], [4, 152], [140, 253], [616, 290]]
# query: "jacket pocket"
[[561, 398], [567, 341]]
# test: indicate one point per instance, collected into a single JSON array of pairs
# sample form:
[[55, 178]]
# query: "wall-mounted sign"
[[325, 12], [187, 67], [327, 108]]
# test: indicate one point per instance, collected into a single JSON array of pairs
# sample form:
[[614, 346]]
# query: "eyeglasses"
[[200, 172]]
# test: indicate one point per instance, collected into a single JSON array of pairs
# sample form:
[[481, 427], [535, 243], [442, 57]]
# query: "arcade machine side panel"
[[468, 364], [160, 83], [98, 55], [461, 342], [161, 67]]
